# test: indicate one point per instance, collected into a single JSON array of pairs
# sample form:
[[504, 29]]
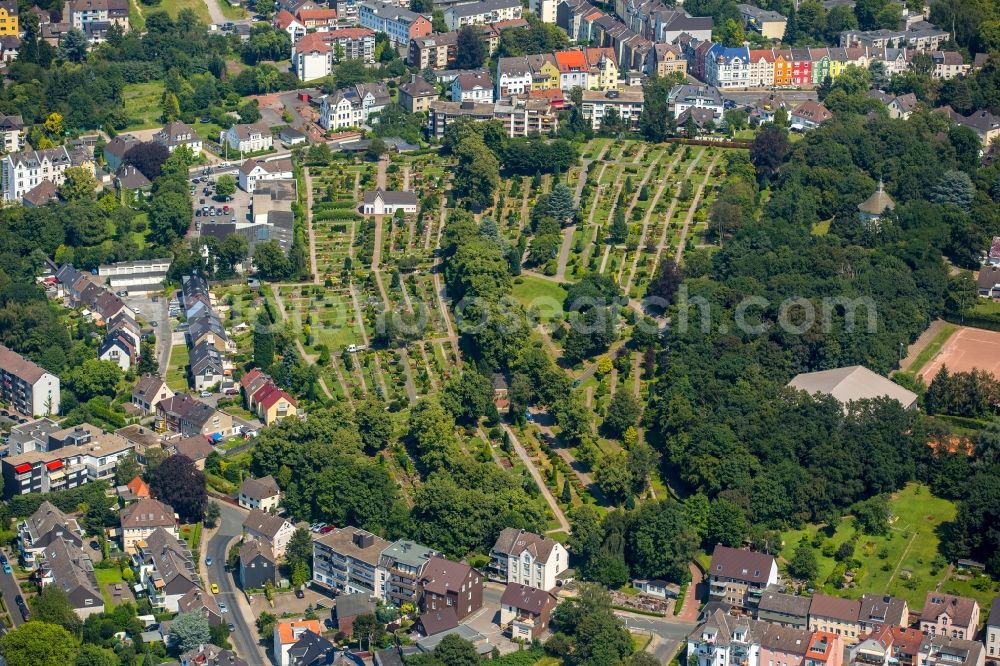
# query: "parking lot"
[[208, 210]]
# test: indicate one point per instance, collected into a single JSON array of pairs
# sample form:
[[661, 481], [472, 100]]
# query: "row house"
[[983, 123], [416, 95], [654, 20], [481, 12], [472, 87], [587, 68], [71, 457], [401, 25], [992, 632], [353, 107], [887, 645], [437, 51], [666, 59], [86, 14], [948, 64], [520, 74], [27, 386], [722, 639], [450, 590]]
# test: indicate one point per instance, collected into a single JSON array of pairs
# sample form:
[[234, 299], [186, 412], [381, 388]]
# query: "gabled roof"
[[436, 621], [284, 19], [743, 565], [310, 649], [254, 548], [394, 198], [147, 513], [352, 605], [442, 576], [845, 610], [73, 573], [264, 523], [41, 194], [994, 618], [882, 609], [172, 560], [513, 542], [287, 630], [138, 487], [959, 610], [196, 600], [196, 448], [852, 383], [312, 42], [813, 111], [775, 601], [529, 599], [261, 488], [418, 87]]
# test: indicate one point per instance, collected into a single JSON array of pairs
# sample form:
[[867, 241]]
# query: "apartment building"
[[520, 115], [87, 14], [270, 528], [41, 529], [254, 171], [188, 416], [347, 560], [455, 586], [404, 563], [788, 610], [67, 567], [882, 609], [23, 171], [627, 104], [27, 386], [314, 55], [140, 519], [527, 559], [481, 12], [416, 95], [949, 615], [11, 127], [9, 19], [353, 107], [472, 87], [941, 650], [165, 568], [837, 616], [685, 96], [142, 275], [739, 577], [992, 632], [72, 457], [176, 134], [400, 24], [252, 138]]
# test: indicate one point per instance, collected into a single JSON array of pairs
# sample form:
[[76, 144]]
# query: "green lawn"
[[107, 577], [908, 550], [932, 349], [136, 18], [142, 104], [177, 372], [230, 12], [822, 228], [173, 7], [985, 307], [545, 295]]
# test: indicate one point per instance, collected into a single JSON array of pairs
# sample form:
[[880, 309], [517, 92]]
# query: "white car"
[[206, 394]]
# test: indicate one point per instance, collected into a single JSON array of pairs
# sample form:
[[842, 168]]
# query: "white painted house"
[[248, 138], [527, 559], [255, 171], [352, 107], [381, 202]]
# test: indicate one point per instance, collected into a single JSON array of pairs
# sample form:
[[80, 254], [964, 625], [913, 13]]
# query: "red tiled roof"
[[570, 60], [283, 19], [317, 14], [313, 42], [349, 33]]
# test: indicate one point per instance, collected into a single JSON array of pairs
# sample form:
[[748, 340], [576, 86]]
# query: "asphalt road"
[[793, 97], [244, 638], [10, 590], [673, 635]]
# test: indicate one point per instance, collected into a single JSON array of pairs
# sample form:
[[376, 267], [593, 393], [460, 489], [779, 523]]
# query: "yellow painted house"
[[8, 19], [544, 71]]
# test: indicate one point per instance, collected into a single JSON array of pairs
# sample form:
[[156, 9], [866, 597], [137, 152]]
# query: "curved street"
[[244, 638]]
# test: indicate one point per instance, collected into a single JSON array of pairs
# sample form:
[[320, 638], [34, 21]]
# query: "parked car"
[[208, 561], [222, 608], [7, 569], [232, 627], [205, 394], [299, 594]]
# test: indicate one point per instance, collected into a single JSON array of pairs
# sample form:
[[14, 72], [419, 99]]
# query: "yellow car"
[[215, 588]]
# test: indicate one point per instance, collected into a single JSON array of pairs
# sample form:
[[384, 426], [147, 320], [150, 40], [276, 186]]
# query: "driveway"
[[244, 638], [486, 619]]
